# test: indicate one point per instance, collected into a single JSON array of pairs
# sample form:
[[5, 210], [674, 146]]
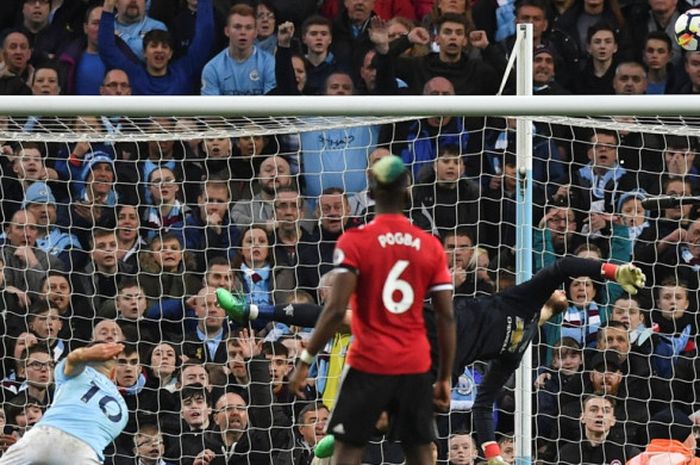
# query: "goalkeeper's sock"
[[304, 315], [491, 451]]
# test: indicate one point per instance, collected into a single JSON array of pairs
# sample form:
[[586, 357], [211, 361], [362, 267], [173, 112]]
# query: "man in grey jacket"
[[26, 265]]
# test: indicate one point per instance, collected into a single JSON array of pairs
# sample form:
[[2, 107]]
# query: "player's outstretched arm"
[[445, 324], [628, 276], [77, 359], [327, 325]]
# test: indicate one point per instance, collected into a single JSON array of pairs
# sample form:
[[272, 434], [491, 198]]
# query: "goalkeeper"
[[496, 328]]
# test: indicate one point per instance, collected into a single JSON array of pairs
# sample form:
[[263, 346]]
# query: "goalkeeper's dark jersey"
[[504, 323]]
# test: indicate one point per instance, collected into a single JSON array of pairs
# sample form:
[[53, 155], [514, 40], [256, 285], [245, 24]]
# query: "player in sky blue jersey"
[[86, 415]]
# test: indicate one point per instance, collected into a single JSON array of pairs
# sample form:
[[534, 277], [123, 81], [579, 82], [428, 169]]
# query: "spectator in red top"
[[387, 9]]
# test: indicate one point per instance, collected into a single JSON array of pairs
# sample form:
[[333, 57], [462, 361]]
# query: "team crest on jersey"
[[254, 75], [517, 334], [338, 256]]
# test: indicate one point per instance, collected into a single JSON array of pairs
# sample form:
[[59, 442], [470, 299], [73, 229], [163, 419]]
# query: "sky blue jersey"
[[87, 406], [224, 75]]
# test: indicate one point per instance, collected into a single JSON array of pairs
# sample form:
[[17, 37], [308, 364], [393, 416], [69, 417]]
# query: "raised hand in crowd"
[[247, 345], [419, 35], [285, 33], [379, 34], [109, 5], [479, 39]]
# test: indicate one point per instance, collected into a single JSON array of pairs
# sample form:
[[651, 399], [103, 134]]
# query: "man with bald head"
[[207, 341], [115, 82], [107, 331], [17, 73], [423, 137], [630, 79]]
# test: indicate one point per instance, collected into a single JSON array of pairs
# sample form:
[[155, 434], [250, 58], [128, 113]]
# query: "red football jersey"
[[397, 266]]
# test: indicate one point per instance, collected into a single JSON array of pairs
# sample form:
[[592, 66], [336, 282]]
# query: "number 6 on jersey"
[[394, 284]]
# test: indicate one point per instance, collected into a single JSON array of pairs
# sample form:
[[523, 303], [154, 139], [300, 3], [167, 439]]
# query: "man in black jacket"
[[248, 430], [597, 418], [351, 39], [469, 76]]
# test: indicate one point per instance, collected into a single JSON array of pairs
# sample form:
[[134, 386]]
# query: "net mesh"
[[135, 129], [120, 221]]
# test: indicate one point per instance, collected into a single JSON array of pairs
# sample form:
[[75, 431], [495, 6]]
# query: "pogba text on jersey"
[[398, 238]]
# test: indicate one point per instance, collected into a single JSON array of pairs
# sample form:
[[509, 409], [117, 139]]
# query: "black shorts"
[[363, 396]]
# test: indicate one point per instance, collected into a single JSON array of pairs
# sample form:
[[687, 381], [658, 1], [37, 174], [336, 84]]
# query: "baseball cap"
[[670, 423], [606, 361], [94, 158], [38, 192]]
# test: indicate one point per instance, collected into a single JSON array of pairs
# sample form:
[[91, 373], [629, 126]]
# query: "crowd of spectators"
[[127, 241]]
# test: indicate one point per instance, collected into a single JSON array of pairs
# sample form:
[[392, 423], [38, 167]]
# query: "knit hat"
[[94, 158], [38, 192], [640, 194], [670, 423]]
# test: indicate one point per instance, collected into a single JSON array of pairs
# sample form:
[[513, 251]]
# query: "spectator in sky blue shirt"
[[337, 157], [159, 76], [132, 23], [242, 68]]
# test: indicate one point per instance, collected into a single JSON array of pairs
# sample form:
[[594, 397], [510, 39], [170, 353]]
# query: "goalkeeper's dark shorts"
[[408, 399]]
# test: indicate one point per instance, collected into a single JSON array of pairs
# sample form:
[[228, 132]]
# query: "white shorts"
[[44, 445]]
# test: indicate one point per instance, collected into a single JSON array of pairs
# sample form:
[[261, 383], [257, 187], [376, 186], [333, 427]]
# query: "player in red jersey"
[[386, 270]]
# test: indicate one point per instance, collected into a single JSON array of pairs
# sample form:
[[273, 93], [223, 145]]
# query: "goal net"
[[116, 225]]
